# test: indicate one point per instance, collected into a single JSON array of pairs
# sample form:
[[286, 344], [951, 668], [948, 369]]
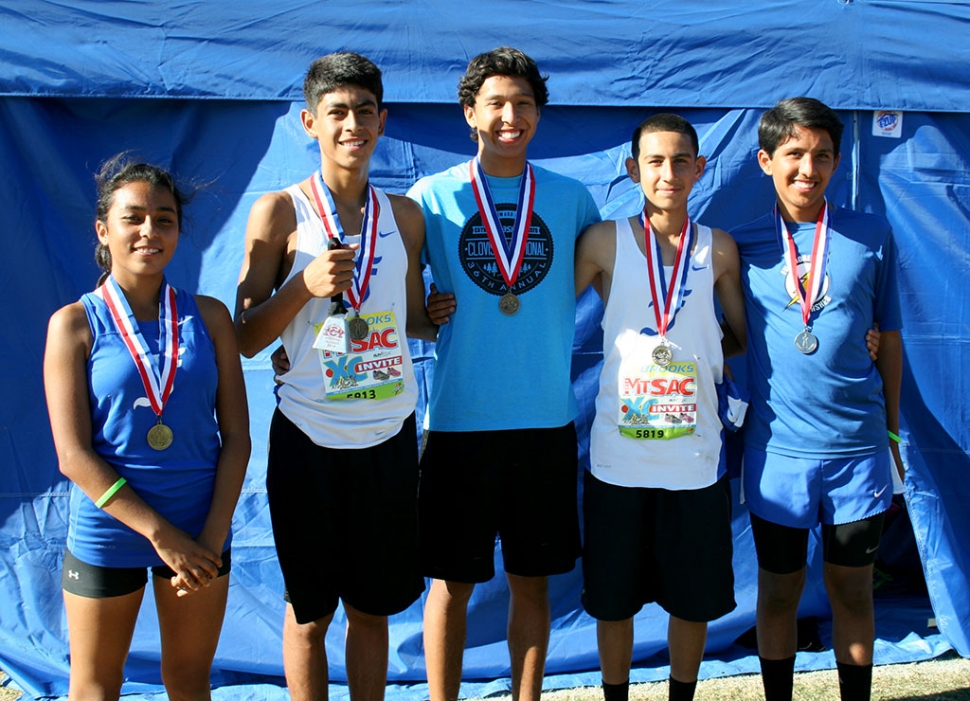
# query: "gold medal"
[[157, 379], [160, 436], [509, 304]]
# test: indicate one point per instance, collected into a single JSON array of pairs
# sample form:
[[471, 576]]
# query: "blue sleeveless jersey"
[[177, 482]]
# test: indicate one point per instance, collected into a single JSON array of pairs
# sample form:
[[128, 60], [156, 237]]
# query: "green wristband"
[[894, 437], [110, 492]]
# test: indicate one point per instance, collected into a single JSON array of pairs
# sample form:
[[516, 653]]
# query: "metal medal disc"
[[806, 341], [662, 355], [509, 304], [358, 328], [160, 436]]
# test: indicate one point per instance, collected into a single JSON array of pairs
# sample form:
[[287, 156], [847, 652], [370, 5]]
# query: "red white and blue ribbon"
[[666, 301], [508, 253], [157, 378], [335, 230], [807, 293]]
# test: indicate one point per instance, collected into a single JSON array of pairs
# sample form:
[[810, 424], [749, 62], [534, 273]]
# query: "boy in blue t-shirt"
[[815, 278], [501, 454]]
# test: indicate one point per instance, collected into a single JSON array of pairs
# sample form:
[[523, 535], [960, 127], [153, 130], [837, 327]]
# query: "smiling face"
[[801, 169], [666, 169], [140, 230], [504, 117], [346, 125]]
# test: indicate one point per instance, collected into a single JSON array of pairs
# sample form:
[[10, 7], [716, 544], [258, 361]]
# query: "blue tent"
[[213, 91]]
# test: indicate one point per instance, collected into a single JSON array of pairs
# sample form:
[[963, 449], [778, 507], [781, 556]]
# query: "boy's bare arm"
[[890, 367], [410, 221], [730, 295], [595, 253], [261, 315]]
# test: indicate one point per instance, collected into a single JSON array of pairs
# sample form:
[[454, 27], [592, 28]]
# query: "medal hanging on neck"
[[357, 325], [508, 253], [666, 301], [158, 379], [807, 294]]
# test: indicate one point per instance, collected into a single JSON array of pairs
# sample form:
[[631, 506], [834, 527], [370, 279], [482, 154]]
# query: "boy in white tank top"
[[345, 412], [657, 506]]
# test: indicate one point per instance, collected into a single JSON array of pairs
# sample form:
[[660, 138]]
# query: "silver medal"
[[806, 341], [662, 355]]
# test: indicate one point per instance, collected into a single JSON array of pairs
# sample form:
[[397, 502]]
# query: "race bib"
[[658, 403], [374, 367]]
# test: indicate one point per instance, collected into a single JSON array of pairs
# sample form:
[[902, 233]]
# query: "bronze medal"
[[358, 328], [509, 304], [160, 436]]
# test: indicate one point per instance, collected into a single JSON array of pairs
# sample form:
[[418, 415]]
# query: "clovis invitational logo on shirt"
[[478, 258]]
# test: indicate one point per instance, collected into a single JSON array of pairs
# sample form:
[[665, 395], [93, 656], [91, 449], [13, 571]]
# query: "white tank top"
[[362, 398], [654, 426]]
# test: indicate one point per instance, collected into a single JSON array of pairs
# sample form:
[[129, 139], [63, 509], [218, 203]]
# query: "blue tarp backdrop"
[[213, 91]]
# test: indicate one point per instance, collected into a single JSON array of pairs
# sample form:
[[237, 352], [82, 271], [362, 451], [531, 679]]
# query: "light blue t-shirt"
[[827, 404], [493, 371]]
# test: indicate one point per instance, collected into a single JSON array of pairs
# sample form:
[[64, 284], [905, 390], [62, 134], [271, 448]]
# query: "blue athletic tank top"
[[177, 482]]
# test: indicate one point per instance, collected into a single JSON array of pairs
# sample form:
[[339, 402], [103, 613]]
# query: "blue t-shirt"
[[177, 482], [828, 404], [494, 371]]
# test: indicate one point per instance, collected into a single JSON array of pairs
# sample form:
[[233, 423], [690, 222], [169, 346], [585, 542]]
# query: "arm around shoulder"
[[410, 222], [595, 254], [730, 295]]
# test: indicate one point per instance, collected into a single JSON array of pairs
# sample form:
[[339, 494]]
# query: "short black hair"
[[121, 170], [504, 61], [333, 71], [664, 122], [778, 124]]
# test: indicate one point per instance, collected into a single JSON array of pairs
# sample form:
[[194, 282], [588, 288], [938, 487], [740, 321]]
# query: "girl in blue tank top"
[[148, 411]]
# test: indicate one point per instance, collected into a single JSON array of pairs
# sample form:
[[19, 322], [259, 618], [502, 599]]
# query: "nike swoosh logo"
[[385, 233], [870, 551], [879, 493], [699, 267]]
